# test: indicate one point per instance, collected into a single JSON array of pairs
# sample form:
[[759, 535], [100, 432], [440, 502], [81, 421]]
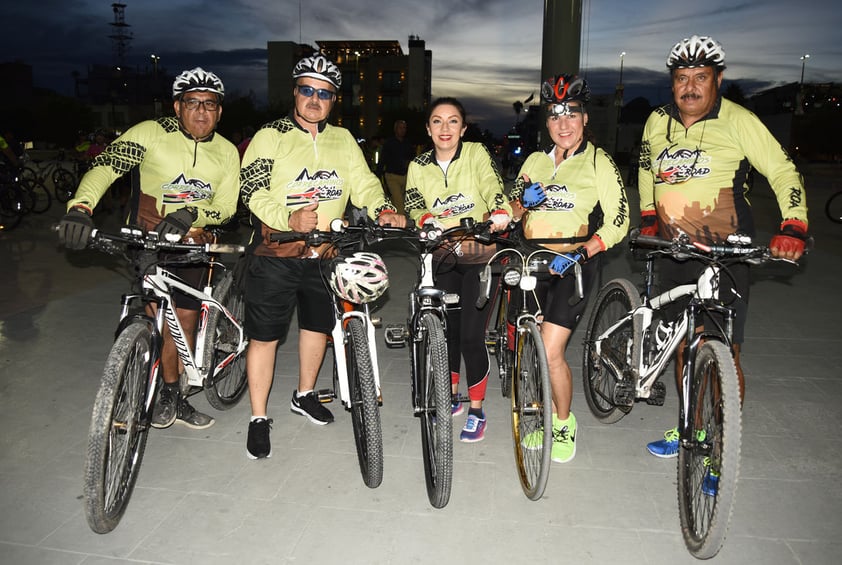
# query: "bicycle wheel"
[[118, 430], [708, 464], [603, 370], [12, 208], [365, 412], [503, 348], [833, 208], [64, 184], [434, 403], [41, 198], [532, 411], [28, 177], [222, 338]]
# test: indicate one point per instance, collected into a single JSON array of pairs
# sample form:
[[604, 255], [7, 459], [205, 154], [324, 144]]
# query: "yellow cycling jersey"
[[585, 197], [172, 170], [694, 178], [285, 169]]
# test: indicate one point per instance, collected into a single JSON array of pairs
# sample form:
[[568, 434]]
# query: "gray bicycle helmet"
[[696, 51], [565, 88], [197, 79], [320, 67]]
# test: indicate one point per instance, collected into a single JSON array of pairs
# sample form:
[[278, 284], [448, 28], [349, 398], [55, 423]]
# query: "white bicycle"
[[123, 407]]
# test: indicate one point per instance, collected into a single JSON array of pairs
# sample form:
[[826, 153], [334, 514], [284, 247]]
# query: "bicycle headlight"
[[511, 276]]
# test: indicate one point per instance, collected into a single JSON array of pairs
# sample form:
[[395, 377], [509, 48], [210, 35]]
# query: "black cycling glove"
[[178, 222], [75, 228]]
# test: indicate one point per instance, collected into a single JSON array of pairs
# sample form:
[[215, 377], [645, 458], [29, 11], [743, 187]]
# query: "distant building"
[[376, 77]]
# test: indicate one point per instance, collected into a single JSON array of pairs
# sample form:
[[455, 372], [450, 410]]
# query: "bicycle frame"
[[344, 311]]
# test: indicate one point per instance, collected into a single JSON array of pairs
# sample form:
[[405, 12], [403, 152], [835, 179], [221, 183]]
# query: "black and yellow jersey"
[[285, 168], [171, 169], [694, 178], [585, 197], [471, 188]]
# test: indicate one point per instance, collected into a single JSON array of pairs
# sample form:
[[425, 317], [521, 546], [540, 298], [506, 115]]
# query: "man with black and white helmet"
[[298, 173], [184, 177], [695, 157]]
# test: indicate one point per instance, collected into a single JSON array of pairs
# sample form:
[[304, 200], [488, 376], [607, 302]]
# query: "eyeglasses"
[[194, 103], [307, 91], [677, 174]]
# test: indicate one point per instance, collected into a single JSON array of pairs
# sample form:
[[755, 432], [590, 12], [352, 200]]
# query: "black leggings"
[[465, 326]]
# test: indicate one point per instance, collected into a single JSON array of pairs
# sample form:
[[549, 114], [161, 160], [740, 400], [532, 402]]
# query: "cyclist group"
[[300, 172]]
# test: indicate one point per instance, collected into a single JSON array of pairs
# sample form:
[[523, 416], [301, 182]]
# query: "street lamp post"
[[804, 58], [155, 87], [622, 57]]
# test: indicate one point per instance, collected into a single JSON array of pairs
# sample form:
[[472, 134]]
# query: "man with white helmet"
[[298, 174], [184, 177], [695, 157]]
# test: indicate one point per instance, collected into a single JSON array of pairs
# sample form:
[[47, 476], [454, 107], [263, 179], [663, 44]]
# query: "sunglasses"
[[307, 91]]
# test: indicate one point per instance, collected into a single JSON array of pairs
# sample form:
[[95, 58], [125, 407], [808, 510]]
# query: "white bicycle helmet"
[[696, 52], [197, 79], [320, 67], [360, 278]]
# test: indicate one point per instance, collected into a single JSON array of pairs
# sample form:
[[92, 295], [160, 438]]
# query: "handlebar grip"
[[286, 236]]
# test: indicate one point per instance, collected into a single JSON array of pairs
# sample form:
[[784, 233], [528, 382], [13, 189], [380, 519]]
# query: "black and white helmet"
[[320, 67], [197, 79], [360, 278], [696, 51]]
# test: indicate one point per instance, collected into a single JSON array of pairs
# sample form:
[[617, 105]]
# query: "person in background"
[[394, 160]]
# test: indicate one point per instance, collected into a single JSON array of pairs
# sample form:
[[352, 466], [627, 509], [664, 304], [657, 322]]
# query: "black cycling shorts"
[[274, 287], [733, 292], [554, 295]]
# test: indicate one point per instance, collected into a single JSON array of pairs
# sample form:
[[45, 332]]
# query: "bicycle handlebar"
[[738, 247], [151, 241]]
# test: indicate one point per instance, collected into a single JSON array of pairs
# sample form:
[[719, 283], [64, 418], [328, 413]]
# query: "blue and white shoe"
[[474, 429], [666, 448]]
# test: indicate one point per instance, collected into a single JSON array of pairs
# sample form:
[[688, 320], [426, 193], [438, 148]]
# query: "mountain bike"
[[521, 357], [630, 340], [356, 373], [833, 207], [426, 333], [123, 407], [15, 202], [35, 175]]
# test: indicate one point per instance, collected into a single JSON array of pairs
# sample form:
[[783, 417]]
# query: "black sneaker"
[[192, 418], [257, 445], [309, 405], [166, 406]]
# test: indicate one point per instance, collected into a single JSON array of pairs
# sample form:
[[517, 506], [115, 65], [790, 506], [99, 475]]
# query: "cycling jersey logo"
[[321, 185], [559, 198], [681, 165], [184, 191], [453, 205]]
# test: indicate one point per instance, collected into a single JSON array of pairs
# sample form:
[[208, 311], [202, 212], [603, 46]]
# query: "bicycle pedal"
[[624, 393], [376, 321], [395, 335], [325, 395], [657, 394]]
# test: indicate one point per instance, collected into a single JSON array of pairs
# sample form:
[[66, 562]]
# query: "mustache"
[[690, 96]]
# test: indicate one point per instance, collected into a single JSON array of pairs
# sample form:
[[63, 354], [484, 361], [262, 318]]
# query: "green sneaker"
[[533, 441], [564, 439]]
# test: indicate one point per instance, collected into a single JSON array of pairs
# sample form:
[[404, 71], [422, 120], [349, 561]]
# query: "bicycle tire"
[[12, 207], [532, 410], [41, 199], [715, 416], [602, 372], [118, 430], [365, 411], [226, 388], [833, 207], [503, 350], [435, 407], [28, 177], [64, 184]]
